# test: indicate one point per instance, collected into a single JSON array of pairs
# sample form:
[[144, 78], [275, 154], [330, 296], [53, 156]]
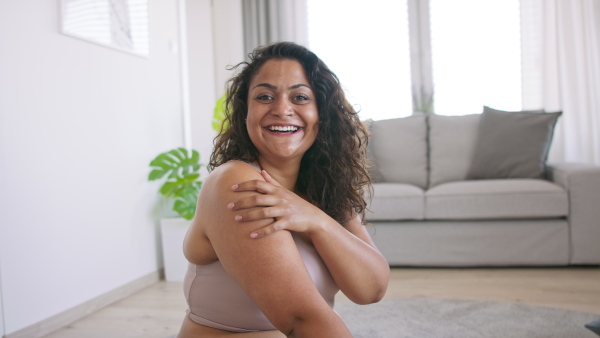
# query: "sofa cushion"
[[396, 201], [451, 145], [374, 171], [399, 149], [512, 144], [496, 199]]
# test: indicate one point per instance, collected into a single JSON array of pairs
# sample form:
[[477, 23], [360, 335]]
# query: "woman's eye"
[[264, 97], [301, 97]]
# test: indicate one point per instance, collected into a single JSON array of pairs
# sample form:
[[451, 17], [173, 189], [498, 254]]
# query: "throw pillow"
[[512, 144]]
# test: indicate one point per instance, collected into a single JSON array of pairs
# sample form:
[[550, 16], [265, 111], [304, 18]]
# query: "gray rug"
[[436, 318]]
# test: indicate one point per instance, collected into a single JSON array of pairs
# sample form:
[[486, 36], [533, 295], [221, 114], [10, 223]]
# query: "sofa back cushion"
[[398, 148], [451, 147]]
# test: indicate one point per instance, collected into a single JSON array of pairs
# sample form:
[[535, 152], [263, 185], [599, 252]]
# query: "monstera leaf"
[[177, 163], [174, 186], [181, 168], [185, 205]]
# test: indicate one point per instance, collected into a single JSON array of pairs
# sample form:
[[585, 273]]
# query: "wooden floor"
[[157, 311]]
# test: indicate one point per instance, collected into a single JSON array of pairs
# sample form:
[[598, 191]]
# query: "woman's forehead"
[[280, 72]]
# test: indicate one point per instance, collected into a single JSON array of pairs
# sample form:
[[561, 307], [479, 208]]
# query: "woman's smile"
[[283, 130]]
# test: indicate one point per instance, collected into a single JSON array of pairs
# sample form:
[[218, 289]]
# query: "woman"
[[278, 227]]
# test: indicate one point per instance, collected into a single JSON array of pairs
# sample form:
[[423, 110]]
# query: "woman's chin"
[[284, 152]]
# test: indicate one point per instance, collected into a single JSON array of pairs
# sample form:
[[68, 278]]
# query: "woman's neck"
[[285, 172]]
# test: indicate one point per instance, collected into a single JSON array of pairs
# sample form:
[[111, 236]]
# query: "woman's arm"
[[270, 270], [358, 268]]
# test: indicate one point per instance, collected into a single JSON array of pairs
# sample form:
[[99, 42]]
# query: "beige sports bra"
[[216, 300]]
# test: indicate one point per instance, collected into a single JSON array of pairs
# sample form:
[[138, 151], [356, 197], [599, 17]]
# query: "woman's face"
[[282, 110]]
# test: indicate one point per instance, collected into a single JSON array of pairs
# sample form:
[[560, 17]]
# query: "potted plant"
[[182, 185], [181, 167]]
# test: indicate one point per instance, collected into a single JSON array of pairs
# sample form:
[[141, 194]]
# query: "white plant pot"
[[173, 232]]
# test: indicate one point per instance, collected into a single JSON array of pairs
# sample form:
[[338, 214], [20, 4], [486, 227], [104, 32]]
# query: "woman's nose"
[[282, 108]]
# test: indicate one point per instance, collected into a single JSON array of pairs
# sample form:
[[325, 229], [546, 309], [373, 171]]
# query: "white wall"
[[228, 40], [1, 309], [201, 75], [215, 41], [79, 124]]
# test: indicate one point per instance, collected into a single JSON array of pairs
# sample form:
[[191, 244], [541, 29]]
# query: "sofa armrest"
[[582, 182]]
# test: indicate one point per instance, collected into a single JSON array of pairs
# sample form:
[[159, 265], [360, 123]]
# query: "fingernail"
[[235, 186], [238, 218], [254, 235], [230, 205]]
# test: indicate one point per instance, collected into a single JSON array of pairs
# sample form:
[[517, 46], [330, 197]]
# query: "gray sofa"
[[425, 212]]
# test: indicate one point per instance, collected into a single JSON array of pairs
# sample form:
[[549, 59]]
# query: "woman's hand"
[[290, 211]]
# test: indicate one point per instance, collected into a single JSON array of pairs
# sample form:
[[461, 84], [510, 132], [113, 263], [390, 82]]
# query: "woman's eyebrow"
[[270, 86], [299, 85]]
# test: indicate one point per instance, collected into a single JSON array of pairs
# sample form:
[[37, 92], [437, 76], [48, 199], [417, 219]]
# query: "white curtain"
[[268, 21], [561, 69]]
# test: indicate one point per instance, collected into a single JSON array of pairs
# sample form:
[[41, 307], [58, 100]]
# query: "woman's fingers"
[[253, 201], [272, 203], [254, 185], [268, 230], [258, 214]]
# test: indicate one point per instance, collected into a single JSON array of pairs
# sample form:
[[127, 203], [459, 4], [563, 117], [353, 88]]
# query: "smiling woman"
[[279, 229], [281, 100]]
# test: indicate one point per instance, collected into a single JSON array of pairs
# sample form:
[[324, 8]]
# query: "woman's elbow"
[[370, 298], [291, 324], [374, 292], [380, 293]]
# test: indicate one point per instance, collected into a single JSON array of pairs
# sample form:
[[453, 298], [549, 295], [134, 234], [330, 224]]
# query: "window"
[[365, 43], [476, 55], [473, 46]]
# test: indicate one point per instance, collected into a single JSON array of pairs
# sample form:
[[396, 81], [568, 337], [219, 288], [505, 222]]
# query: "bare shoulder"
[[217, 193], [231, 172], [212, 212], [217, 189]]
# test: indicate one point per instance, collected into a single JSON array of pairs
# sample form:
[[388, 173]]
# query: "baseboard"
[[67, 317]]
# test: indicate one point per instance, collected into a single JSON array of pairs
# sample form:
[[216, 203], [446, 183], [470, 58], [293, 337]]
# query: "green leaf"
[[163, 160], [181, 167], [184, 209], [187, 199], [195, 156], [155, 174], [172, 187], [218, 120], [175, 164]]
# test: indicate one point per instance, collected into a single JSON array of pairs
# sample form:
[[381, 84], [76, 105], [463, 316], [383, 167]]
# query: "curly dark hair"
[[334, 172]]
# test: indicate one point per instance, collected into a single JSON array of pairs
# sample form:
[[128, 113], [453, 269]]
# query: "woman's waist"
[[216, 300]]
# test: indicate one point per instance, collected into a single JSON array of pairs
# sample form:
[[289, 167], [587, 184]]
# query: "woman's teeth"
[[283, 129]]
